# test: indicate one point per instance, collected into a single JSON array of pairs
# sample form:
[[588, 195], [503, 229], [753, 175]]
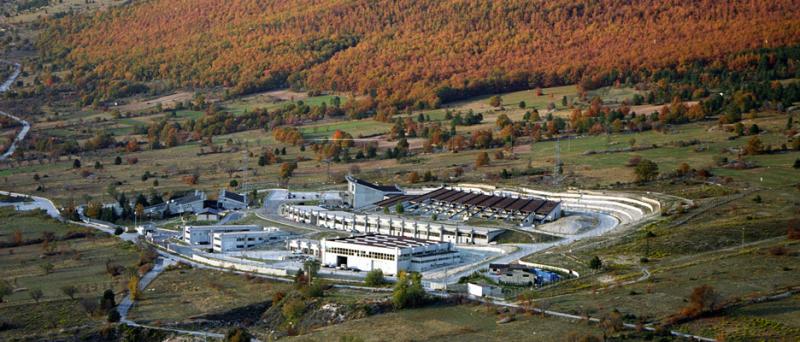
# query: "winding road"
[[26, 126]]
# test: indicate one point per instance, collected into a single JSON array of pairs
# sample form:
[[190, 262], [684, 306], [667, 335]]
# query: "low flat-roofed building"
[[518, 274], [389, 253], [208, 214], [243, 240], [202, 235]]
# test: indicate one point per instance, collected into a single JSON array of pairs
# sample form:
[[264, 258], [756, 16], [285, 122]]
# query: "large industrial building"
[[450, 203], [390, 254], [389, 225]]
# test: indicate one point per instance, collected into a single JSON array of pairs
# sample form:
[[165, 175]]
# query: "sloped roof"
[[384, 188], [233, 196]]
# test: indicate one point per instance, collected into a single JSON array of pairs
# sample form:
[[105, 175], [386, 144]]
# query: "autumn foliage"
[[405, 52]]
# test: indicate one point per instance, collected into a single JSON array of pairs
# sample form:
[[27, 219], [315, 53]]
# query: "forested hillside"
[[409, 52]]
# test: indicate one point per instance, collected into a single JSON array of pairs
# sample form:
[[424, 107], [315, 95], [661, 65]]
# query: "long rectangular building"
[[390, 254], [389, 225], [243, 240], [203, 235], [456, 202]]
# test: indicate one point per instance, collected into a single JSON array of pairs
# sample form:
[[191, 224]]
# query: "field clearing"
[[167, 101], [31, 224], [177, 295], [275, 99], [356, 128], [76, 262], [60, 6], [732, 274], [449, 323], [765, 321]]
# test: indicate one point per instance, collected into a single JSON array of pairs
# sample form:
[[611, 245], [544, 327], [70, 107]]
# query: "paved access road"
[[35, 203], [26, 126]]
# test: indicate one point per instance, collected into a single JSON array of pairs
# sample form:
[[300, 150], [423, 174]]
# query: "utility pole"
[[742, 248], [557, 166], [244, 171]]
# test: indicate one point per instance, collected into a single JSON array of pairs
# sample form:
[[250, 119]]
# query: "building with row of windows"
[[244, 240], [389, 225], [391, 254], [199, 236]]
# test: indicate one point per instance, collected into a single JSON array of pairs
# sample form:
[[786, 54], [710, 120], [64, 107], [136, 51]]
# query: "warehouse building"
[[448, 202], [243, 240], [389, 225], [391, 254]]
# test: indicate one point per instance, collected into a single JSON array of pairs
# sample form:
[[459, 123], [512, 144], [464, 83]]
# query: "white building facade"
[[203, 235], [238, 241], [391, 254]]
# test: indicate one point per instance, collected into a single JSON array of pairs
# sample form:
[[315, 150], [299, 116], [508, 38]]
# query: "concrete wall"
[[241, 266]]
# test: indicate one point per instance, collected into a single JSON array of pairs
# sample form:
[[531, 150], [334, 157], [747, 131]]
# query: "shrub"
[[36, 294], [314, 290], [293, 309], [237, 335], [778, 250], [277, 297], [5, 289], [482, 159], [113, 316], [408, 291], [69, 291], [595, 263], [702, 299], [793, 231], [107, 302], [646, 170], [375, 278]]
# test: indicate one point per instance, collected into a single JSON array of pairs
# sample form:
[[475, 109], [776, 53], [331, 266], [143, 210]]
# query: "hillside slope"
[[405, 51]]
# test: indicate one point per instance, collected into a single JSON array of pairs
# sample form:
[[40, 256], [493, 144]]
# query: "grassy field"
[[448, 323], [774, 320], [177, 295], [29, 224], [76, 262]]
